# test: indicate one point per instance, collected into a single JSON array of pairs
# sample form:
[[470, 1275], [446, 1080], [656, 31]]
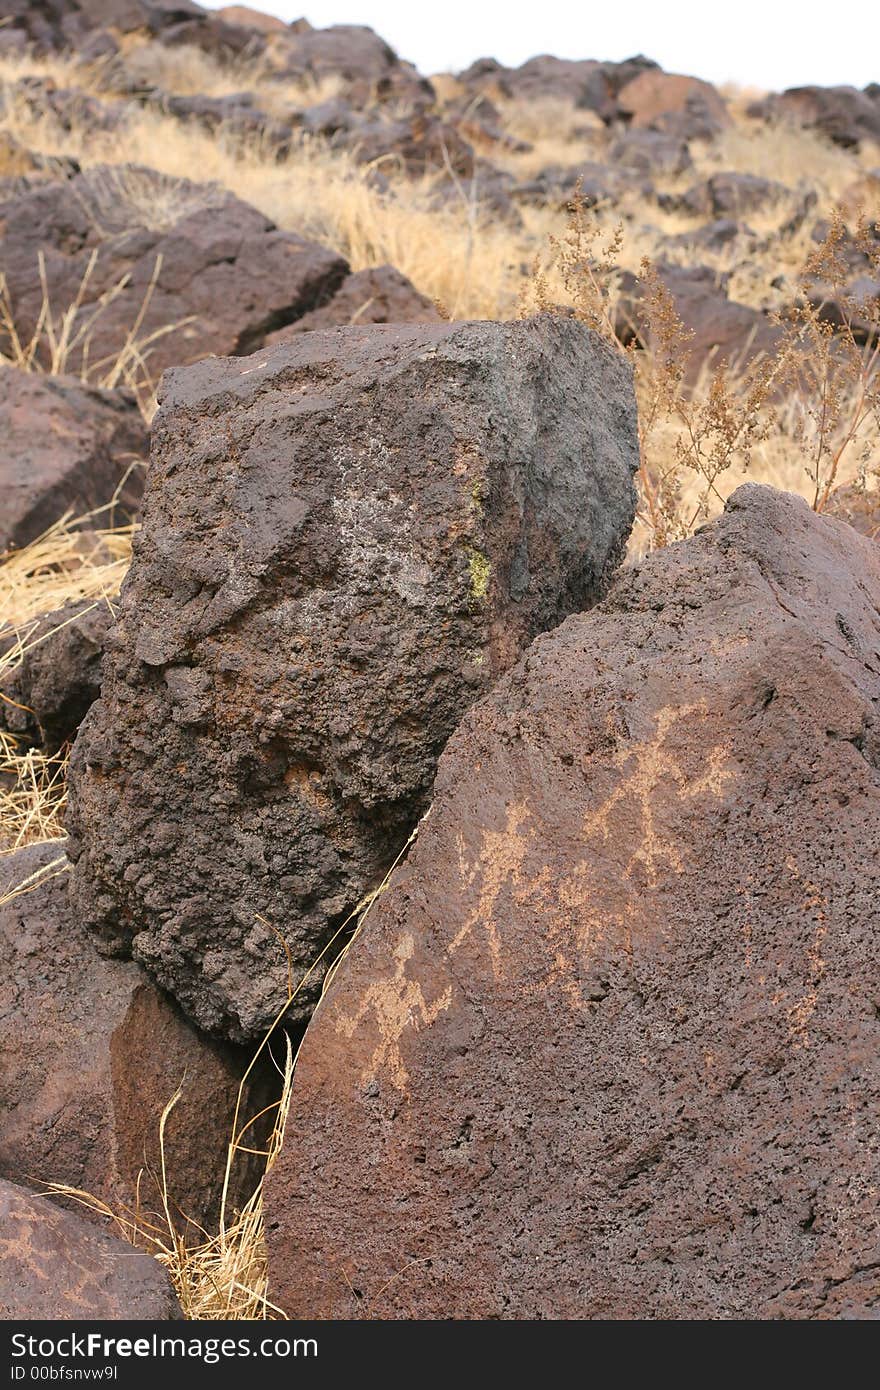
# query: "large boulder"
[[65, 446], [345, 542], [844, 115], [416, 145], [378, 295], [189, 269], [728, 195], [676, 105], [586, 83], [651, 153], [91, 1052], [57, 1267], [56, 24], [252, 19], [609, 1047], [350, 56]]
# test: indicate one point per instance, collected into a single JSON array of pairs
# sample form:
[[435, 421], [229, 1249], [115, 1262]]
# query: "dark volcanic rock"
[[345, 542], [237, 115], [722, 330], [609, 1047], [91, 1052], [843, 114], [726, 195], [58, 674], [680, 106], [380, 295], [57, 1267], [713, 237], [416, 145], [597, 183], [651, 153], [57, 24], [589, 84], [224, 276], [367, 68], [64, 446]]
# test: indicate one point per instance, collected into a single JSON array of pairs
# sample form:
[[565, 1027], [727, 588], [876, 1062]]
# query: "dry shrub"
[[810, 412]]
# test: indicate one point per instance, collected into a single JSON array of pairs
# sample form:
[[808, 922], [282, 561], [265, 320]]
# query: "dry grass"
[[65, 565], [473, 264], [63, 335], [33, 795], [217, 1276], [79, 557]]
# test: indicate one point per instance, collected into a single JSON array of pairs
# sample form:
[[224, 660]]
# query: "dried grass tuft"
[[66, 564]]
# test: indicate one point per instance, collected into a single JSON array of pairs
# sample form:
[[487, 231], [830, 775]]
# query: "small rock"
[[65, 446]]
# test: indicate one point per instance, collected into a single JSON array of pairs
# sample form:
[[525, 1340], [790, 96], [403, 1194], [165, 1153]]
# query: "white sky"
[[762, 43]]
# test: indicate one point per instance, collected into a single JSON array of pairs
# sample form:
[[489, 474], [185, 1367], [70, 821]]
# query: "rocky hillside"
[[394, 667]]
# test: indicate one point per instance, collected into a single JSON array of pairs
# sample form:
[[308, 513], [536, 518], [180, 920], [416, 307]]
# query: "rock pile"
[[345, 542]]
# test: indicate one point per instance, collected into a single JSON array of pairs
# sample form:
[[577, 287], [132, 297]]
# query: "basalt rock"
[[680, 106], [57, 1267], [609, 1046], [652, 153], [380, 295], [203, 272], [91, 1052], [722, 330], [65, 446], [346, 540], [56, 676], [844, 115]]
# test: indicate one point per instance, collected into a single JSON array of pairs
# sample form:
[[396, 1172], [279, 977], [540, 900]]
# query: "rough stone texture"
[[57, 1267], [609, 1047], [91, 1052], [415, 145], [58, 675], [226, 276], [346, 540], [651, 153], [64, 445], [252, 19], [596, 183], [676, 105], [381, 295], [54, 24], [239, 118]]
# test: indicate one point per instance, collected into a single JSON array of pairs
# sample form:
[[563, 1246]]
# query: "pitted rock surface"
[[609, 1047], [345, 541]]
